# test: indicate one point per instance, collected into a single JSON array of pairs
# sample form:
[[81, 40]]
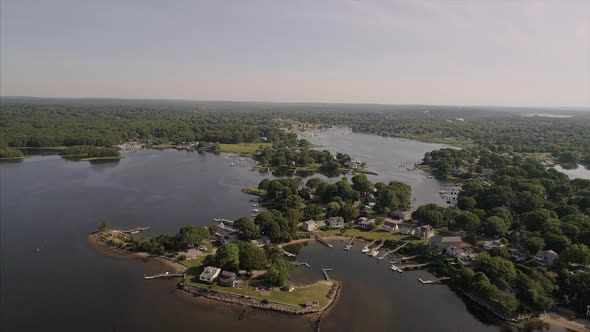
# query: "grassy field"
[[314, 292], [193, 262], [243, 148]]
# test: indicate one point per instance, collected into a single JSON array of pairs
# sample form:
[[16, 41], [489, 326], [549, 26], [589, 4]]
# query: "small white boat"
[[365, 250], [254, 205], [442, 192], [374, 253], [255, 210]]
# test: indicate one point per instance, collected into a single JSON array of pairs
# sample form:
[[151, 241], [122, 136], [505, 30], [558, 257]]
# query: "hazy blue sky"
[[494, 52]]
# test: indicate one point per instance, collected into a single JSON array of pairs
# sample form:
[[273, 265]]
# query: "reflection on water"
[[50, 204]]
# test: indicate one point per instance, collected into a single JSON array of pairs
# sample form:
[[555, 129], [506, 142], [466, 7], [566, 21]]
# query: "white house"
[[335, 222], [443, 242], [546, 257], [210, 274], [389, 226], [309, 226], [424, 232]]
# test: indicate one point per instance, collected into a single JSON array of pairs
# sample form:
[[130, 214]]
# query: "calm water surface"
[[51, 204]]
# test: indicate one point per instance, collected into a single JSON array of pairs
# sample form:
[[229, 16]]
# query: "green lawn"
[[373, 235], [193, 262], [243, 148], [314, 292]]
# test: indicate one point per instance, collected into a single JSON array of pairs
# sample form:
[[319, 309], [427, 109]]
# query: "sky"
[[501, 52]]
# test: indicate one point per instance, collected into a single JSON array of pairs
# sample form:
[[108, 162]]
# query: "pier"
[[414, 266], [224, 221], [136, 230], [350, 242], [325, 271], [385, 255], [323, 241], [163, 276], [403, 259], [288, 254], [434, 281], [302, 264]]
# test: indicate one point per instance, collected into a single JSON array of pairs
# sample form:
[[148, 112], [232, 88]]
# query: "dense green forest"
[[51, 122]]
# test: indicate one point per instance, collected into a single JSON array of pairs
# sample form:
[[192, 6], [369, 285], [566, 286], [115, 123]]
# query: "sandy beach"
[[578, 325]]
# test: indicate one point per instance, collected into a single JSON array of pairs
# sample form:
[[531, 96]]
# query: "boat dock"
[[385, 255], [288, 254], [323, 241], [366, 247], [302, 264], [414, 266], [396, 269], [224, 221], [403, 259], [434, 281], [325, 271], [350, 243], [136, 230], [163, 276], [379, 246]]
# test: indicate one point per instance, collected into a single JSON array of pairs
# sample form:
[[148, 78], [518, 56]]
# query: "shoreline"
[[217, 296]]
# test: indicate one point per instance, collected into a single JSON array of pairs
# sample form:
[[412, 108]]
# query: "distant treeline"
[[102, 122]]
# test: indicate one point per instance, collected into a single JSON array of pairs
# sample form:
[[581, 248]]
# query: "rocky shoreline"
[[503, 316]]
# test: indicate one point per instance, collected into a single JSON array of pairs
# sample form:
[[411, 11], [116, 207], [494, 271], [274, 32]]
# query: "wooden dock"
[[350, 243], [136, 230], [164, 275], [414, 266], [385, 255], [288, 254], [434, 281], [323, 241], [325, 271], [301, 264]]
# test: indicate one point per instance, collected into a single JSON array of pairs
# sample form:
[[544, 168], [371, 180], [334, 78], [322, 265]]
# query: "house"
[[335, 222], [209, 274], [401, 215], [227, 235], [309, 226], [443, 242], [424, 232], [288, 288], [588, 310], [354, 164], [466, 260], [518, 255], [489, 245], [389, 226], [546, 257], [261, 241], [407, 230], [227, 278], [366, 223], [455, 250]]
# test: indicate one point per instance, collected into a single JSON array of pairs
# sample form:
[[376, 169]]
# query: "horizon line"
[[292, 102]]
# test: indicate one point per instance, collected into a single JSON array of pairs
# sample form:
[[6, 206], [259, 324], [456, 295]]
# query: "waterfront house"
[[309, 226], [365, 223], [389, 226], [261, 241], [401, 215], [209, 274], [546, 257], [227, 278], [407, 230], [227, 235], [424, 232], [443, 242], [466, 260], [354, 164], [335, 222], [455, 250]]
